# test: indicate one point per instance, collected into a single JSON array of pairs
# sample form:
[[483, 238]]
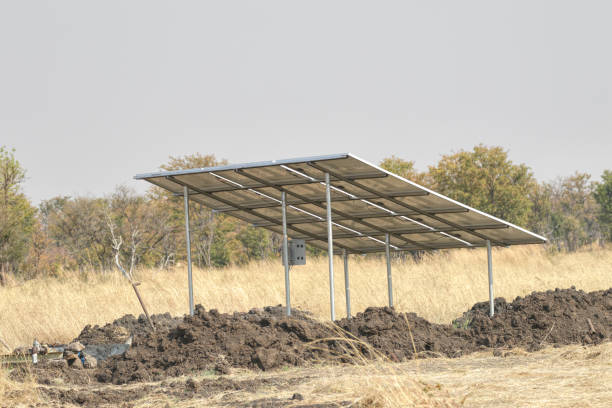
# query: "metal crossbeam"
[[309, 220], [224, 201], [401, 203], [410, 231], [295, 182], [483, 244], [335, 211], [338, 199]]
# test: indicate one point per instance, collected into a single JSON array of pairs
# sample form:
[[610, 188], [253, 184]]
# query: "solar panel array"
[[367, 203]]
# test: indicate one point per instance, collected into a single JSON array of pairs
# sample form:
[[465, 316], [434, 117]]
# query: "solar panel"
[[367, 203]]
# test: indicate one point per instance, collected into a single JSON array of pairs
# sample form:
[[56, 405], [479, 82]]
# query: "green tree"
[[214, 237], [565, 211], [603, 196], [405, 169], [79, 226], [17, 215], [486, 179]]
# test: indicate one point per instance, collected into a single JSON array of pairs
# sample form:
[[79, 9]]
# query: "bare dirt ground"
[[569, 376]]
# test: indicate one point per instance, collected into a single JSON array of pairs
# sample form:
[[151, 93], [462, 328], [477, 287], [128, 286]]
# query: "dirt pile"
[[399, 336], [209, 340], [266, 339], [121, 329], [552, 317]]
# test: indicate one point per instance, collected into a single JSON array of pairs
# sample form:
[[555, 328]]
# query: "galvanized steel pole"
[[188, 240], [389, 277], [286, 254], [346, 284], [330, 247], [490, 265]]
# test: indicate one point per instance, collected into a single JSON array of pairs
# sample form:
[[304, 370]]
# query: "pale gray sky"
[[92, 93]]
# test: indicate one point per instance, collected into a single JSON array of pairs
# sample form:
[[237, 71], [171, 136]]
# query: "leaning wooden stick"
[[144, 308]]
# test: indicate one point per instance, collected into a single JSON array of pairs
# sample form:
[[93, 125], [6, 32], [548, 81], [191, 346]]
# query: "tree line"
[[74, 233]]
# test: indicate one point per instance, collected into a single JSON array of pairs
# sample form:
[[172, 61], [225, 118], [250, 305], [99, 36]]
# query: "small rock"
[[90, 361], [76, 347], [76, 364], [297, 396], [192, 385], [57, 363], [266, 359], [221, 365]]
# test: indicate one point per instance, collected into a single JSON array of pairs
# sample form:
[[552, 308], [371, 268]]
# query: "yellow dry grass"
[[439, 288]]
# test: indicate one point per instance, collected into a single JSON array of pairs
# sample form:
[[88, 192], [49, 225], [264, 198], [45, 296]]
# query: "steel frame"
[[188, 242], [252, 212], [286, 256], [369, 196], [490, 270]]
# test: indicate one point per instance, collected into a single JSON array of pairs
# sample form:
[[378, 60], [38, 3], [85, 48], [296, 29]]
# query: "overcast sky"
[[93, 93]]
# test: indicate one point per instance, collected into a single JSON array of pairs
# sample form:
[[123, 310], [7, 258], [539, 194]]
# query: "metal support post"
[[330, 247], [188, 240], [286, 254], [389, 277], [490, 264], [346, 284]]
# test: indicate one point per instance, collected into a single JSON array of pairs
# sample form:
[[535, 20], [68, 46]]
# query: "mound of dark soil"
[[209, 340], [266, 339], [121, 329], [552, 317], [399, 336]]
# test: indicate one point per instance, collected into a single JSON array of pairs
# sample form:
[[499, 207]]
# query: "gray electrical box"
[[297, 252]]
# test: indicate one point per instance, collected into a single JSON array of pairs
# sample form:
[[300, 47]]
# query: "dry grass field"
[[439, 288]]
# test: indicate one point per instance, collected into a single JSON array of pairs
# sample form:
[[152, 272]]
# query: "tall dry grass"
[[439, 288]]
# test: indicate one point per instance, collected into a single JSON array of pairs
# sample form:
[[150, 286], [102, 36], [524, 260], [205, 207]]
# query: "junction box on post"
[[297, 252]]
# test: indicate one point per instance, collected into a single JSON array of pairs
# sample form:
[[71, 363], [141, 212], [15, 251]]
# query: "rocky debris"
[[27, 350], [70, 355], [89, 361], [57, 363], [104, 351], [75, 347], [21, 350], [78, 359], [222, 366], [75, 363]]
